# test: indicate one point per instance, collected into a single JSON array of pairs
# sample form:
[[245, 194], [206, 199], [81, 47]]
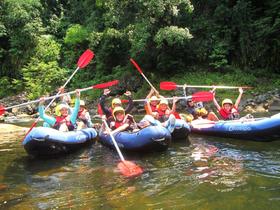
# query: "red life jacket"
[[62, 119], [118, 124], [176, 114], [229, 115], [154, 108], [113, 124], [160, 112], [99, 109]]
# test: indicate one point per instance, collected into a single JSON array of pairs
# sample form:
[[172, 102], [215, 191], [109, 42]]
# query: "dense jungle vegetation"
[[198, 42]]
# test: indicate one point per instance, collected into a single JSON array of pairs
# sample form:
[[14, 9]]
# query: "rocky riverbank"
[[267, 102]]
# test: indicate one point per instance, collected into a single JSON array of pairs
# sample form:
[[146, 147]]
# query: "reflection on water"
[[209, 173]]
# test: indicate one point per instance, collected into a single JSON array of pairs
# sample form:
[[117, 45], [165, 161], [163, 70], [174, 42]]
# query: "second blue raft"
[[149, 139]]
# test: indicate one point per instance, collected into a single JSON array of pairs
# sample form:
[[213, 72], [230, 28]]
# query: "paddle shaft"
[[141, 72], [181, 97], [37, 120], [47, 98], [213, 86], [149, 82], [114, 141]]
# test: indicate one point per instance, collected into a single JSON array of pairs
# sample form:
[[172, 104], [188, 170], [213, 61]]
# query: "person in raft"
[[153, 98], [197, 111], [228, 111], [83, 119], [162, 115], [120, 121], [63, 121], [116, 102], [162, 110]]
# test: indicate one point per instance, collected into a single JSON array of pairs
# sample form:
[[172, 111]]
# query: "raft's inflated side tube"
[[149, 139], [43, 141], [181, 131], [263, 129]]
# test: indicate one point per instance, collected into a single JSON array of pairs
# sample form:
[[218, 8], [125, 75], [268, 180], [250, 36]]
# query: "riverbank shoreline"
[[258, 103]]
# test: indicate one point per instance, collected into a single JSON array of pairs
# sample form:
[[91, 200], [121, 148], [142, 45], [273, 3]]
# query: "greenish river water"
[[199, 173]]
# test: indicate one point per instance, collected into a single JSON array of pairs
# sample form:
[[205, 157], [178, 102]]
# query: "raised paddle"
[[98, 86], [196, 97], [83, 61], [127, 168], [173, 86], [141, 72]]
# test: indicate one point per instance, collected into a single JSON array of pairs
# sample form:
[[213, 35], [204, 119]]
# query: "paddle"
[[141, 72], [127, 168], [83, 61], [173, 86], [196, 97], [98, 86]]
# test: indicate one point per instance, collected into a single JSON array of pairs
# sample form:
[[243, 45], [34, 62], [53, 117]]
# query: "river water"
[[199, 173]]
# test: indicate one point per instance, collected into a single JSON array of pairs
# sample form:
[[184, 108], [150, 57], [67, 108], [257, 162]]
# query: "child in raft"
[[116, 102], [228, 111], [63, 121], [125, 122], [197, 111], [83, 119]]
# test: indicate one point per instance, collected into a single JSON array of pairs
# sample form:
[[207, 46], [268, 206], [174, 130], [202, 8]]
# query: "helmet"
[[117, 109], [59, 107], [72, 102], [227, 101], [163, 101], [82, 103], [202, 112], [153, 98], [116, 101]]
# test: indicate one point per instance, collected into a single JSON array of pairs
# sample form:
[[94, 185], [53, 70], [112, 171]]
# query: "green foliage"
[[172, 35], [218, 57], [76, 34], [39, 39], [43, 73]]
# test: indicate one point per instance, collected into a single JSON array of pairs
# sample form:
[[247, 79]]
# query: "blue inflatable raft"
[[181, 131], [149, 139], [43, 141], [259, 129]]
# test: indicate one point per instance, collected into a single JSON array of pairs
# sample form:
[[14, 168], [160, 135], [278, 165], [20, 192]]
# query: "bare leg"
[[212, 116]]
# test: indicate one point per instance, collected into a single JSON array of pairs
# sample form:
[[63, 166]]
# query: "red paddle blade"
[[85, 58], [136, 65], [202, 96], [129, 169], [124, 101], [106, 84], [167, 85], [2, 110]]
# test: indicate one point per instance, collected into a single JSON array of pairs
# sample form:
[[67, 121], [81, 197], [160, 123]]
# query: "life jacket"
[[113, 124], [229, 115], [60, 120], [177, 115], [153, 108], [99, 109]]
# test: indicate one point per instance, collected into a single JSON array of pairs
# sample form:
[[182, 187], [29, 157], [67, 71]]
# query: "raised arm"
[[102, 99], [151, 93], [215, 102], [76, 109], [130, 102], [175, 99], [48, 119], [237, 102]]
